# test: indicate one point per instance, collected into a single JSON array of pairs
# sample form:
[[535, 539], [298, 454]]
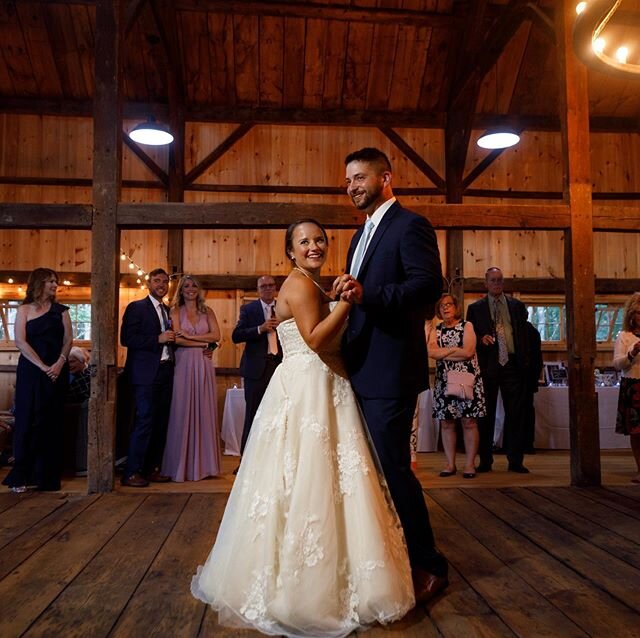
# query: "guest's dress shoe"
[[427, 586], [135, 480], [469, 475], [446, 473], [519, 469], [484, 467], [157, 477]]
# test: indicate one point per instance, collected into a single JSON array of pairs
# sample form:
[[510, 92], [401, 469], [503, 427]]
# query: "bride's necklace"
[[318, 286]]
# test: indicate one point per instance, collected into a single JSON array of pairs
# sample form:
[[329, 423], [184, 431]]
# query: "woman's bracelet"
[[62, 357]]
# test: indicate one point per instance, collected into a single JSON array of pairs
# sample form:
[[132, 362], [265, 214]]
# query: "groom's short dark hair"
[[370, 155]]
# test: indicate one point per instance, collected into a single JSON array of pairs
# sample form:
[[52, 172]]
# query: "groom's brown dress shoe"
[[135, 480], [157, 477], [427, 586]]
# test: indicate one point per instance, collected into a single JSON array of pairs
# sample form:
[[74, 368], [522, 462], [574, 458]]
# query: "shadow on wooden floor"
[[525, 561]]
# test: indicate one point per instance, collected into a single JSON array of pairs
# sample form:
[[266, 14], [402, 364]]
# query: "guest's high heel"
[[446, 473]]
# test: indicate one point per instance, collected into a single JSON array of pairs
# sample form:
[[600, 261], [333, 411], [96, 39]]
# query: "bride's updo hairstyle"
[[288, 238]]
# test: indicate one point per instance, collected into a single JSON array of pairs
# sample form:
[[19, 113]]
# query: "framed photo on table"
[[555, 373]]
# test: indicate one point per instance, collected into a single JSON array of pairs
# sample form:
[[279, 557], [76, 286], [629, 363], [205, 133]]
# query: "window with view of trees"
[[550, 321], [80, 314]]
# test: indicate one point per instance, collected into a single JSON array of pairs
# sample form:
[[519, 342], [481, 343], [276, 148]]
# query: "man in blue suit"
[[146, 333], [394, 274], [256, 328]]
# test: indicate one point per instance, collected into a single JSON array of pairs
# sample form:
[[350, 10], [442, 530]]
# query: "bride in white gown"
[[310, 544]]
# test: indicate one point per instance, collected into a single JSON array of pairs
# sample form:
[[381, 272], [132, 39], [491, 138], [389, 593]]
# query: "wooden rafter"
[[145, 159], [324, 11], [414, 157], [302, 116], [131, 13], [218, 152]]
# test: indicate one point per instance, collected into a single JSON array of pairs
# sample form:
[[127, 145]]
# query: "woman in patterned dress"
[[453, 345], [626, 358]]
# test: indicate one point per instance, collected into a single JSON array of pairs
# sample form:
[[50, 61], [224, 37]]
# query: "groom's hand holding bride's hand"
[[348, 289]]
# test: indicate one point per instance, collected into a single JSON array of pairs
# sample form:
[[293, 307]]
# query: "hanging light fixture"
[[592, 48], [498, 138], [152, 133]]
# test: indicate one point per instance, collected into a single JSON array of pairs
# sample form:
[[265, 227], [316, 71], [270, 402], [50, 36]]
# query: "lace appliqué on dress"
[[351, 463], [305, 545]]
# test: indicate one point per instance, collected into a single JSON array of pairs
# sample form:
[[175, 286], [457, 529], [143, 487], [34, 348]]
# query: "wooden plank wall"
[[52, 147]]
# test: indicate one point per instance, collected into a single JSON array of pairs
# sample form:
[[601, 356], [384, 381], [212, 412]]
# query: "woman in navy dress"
[[43, 336]]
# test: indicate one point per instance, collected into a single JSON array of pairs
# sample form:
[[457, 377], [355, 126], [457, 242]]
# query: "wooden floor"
[[526, 559]]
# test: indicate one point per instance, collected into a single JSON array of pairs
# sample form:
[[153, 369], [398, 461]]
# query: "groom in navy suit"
[[394, 273], [146, 333]]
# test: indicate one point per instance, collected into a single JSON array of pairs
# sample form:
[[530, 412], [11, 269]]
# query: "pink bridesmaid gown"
[[192, 451]]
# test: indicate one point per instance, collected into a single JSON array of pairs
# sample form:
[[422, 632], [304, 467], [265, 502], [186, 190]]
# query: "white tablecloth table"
[[552, 420], [233, 421]]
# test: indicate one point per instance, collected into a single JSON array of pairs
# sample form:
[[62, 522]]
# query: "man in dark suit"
[[146, 333], [533, 376], [256, 328], [394, 274], [500, 325]]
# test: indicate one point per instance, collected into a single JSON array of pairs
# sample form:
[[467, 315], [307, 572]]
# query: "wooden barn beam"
[[218, 152], [131, 13], [499, 35], [164, 14], [107, 152], [554, 285], [145, 159], [327, 117], [67, 216], [414, 157], [579, 259], [280, 215], [324, 11], [616, 218], [462, 104]]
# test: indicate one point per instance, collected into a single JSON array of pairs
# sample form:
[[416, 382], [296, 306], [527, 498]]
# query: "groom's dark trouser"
[[389, 422]]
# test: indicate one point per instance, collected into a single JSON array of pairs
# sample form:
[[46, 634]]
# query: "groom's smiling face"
[[365, 185]]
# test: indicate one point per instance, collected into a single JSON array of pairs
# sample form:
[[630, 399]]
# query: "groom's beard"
[[369, 197]]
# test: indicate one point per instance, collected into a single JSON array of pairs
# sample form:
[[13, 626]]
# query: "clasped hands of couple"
[[170, 336], [347, 288]]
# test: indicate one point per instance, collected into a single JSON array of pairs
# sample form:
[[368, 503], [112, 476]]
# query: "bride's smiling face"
[[308, 247]]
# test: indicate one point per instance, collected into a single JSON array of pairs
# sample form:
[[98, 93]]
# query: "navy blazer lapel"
[[385, 222]]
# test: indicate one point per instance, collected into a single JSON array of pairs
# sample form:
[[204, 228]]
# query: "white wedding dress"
[[309, 544]]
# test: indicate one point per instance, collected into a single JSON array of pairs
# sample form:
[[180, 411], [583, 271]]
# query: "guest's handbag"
[[460, 384]]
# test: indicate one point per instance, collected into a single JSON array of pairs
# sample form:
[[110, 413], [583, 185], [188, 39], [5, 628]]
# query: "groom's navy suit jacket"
[[139, 334], [384, 345]]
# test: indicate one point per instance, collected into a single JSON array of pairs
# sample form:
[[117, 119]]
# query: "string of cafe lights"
[[140, 272], [20, 289]]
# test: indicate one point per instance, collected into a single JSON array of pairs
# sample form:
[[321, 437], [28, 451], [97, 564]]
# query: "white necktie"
[[361, 248], [272, 337]]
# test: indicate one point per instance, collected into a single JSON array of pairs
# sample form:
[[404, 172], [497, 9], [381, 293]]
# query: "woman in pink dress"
[[192, 451]]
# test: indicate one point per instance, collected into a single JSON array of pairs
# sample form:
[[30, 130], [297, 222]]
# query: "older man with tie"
[[503, 354], [146, 333], [256, 328]]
